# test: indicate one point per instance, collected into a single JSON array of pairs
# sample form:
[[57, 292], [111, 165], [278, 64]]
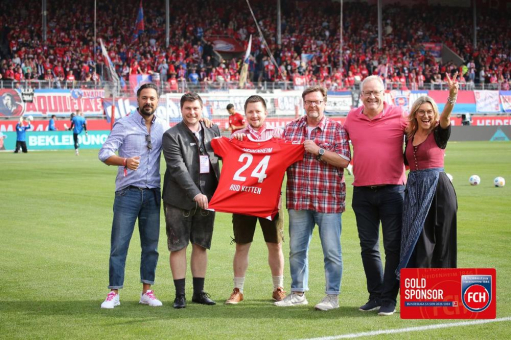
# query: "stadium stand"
[[309, 53]]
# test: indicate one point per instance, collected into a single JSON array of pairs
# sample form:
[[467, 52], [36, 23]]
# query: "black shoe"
[[372, 304], [203, 298], [387, 308], [180, 301]]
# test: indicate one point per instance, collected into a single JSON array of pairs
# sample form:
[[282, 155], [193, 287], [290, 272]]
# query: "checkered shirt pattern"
[[312, 184]]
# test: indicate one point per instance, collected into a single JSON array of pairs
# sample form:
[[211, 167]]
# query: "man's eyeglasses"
[[148, 141], [374, 93], [313, 102]]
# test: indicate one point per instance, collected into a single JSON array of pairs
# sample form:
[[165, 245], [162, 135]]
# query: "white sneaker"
[[76, 152], [328, 302], [111, 301], [292, 299], [148, 298]]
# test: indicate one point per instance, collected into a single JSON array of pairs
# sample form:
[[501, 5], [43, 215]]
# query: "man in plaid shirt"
[[315, 195]]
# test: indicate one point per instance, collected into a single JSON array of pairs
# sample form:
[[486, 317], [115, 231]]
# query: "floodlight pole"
[[94, 52], [167, 24], [474, 12], [44, 13], [380, 26], [279, 30], [341, 41]]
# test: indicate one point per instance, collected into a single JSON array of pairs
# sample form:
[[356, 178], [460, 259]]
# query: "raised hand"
[[452, 84]]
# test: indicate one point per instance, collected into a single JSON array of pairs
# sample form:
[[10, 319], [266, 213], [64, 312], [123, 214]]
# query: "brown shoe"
[[235, 298], [279, 294]]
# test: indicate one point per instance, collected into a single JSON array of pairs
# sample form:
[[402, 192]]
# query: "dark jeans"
[[131, 204], [372, 205]]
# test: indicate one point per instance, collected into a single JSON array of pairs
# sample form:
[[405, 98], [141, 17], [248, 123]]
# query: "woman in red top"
[[428, 238], [135, 68]]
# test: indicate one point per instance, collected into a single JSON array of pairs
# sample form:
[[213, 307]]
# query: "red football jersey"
[[236, 119], [252, 174]]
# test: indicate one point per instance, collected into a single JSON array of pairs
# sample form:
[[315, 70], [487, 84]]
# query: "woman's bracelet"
[[452, 100]]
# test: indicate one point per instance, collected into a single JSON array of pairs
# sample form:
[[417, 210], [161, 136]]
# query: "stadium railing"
[[51, 84], [469, 86], [204, 87]]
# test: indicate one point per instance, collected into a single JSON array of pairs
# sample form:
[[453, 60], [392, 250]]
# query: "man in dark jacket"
[[190, 181]]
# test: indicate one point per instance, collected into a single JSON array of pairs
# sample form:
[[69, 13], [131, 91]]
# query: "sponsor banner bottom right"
[[460, 293]]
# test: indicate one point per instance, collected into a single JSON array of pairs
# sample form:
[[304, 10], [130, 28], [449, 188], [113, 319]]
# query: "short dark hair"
[[191, 97], [148, 86], [229, 106], [315, 88], [255, 99]]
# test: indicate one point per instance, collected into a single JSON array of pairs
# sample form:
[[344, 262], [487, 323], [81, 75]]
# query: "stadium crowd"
[[309, 52]]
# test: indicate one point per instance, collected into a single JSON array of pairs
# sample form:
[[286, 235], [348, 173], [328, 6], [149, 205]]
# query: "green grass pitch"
[[55, 220]]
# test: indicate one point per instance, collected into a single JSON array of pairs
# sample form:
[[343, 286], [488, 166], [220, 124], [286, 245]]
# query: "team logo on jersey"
[[476, 292]]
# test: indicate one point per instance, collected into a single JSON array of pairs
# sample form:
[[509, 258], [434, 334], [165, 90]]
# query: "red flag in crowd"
[[139, 24]]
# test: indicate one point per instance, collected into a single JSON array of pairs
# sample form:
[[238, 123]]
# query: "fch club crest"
[[401, 101], [476, 292]]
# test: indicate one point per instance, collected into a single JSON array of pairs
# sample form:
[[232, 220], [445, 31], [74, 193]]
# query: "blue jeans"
[[132, 203], [301, 225], [372, 205]]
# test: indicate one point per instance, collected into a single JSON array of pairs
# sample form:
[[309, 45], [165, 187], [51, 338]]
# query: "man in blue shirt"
[[78, 124], [193, 77], [137, 139], [51, 124], [21, 138]]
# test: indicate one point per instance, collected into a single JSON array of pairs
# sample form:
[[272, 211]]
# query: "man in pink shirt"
[[376, 131]]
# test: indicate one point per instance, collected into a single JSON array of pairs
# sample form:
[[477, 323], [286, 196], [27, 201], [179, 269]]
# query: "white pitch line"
[[411, 329]]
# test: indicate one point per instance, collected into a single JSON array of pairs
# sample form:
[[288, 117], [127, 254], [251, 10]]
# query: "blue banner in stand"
[[57, 140]]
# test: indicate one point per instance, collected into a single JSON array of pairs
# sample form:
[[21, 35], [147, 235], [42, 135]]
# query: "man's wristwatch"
[[320, 154]]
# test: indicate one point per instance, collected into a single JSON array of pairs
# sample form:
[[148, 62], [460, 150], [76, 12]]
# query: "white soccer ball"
[[449, 176], [474, 180], [499, 182], [30, 118]]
